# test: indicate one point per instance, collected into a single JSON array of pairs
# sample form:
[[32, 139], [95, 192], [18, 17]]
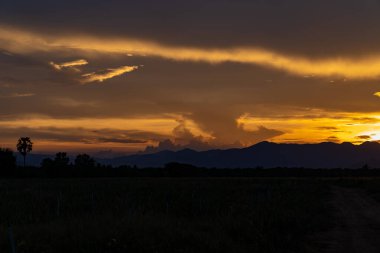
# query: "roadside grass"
[[164, 215]]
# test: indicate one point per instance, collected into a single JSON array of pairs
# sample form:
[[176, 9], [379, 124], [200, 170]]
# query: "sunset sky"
[[117, 76]]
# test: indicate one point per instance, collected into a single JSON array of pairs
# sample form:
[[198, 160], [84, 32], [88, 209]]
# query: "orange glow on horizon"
[[156, 126], [334, 127]]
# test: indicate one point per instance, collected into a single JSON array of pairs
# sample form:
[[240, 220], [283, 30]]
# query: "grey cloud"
[[223, 126], [199, 144], [194, 144], [83, 135]]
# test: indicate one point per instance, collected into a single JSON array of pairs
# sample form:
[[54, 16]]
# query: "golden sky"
[[202, 74]]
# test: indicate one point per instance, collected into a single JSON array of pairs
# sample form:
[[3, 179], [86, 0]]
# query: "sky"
[[111, 77]]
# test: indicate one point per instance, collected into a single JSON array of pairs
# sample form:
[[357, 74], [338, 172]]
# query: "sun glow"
[[334, 127]]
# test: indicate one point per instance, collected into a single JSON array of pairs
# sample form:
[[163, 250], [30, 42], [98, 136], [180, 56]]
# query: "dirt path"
[[358, 222]]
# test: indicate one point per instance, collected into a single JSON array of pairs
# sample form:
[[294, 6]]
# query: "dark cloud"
[[333, 139], [364, 137], [312, 27], [366, 120], [83, 135], [222, 124], [183, 138], [327, 128], [113, 140]]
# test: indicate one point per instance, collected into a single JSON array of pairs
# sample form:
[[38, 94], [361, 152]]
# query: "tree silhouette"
[[84, 161], [61, 160], [47, 163], [24, 146]]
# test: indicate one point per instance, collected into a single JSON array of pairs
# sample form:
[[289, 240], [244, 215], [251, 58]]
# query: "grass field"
[[163, 215], [368, 184]]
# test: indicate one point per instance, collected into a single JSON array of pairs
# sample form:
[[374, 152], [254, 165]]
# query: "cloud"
[[326, 128], [69, 102], [94, 76], [113, 140], [110, 73], [22, 95], [366, 120], [168, 144], [182, 138], [318, 126], [365, 67], [202, 144], [137, 127], [220, 130], [19, 95], [364, 137], [50, 139], [184, 75], [70, 64], [224, 132], [333, 139], [226, 129], [182, 134]]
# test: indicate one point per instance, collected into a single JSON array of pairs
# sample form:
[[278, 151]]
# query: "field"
[[163, 215]]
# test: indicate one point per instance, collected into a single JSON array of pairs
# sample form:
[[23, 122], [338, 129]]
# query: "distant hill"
[[31, 159], [265, 154]]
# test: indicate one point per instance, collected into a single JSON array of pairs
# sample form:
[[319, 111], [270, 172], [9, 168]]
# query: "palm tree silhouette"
[[24, 146]]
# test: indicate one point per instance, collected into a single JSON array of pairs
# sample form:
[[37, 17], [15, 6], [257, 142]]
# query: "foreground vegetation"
[[163, 215], [370, 185], [87, 207]]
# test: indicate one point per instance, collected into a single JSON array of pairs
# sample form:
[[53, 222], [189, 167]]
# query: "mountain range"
[[266, 155], [263, 154]]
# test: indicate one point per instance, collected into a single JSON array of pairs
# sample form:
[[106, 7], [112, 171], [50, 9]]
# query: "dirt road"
[[357, 218]]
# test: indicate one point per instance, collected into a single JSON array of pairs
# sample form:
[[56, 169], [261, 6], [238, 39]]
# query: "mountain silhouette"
[[266, 155]]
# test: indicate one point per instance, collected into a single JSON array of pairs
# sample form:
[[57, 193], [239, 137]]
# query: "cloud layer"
[[364, 67], [108, 74], [70, 64]]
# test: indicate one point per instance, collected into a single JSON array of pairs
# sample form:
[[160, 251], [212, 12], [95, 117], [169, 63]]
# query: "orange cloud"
[[157, 124], [110, 73], [21, 41], [60, 66], [112, 133], [18, 95]]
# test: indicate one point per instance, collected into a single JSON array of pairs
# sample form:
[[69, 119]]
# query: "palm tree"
[[24, 146]]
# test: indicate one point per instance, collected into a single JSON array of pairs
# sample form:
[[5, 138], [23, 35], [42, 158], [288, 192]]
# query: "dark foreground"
[[189, 215], [357, 222]]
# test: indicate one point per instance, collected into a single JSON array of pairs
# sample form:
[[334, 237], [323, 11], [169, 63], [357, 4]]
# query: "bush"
[[7, 161]]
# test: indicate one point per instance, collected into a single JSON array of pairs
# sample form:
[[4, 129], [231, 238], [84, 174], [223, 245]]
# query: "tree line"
[[60, 165]]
